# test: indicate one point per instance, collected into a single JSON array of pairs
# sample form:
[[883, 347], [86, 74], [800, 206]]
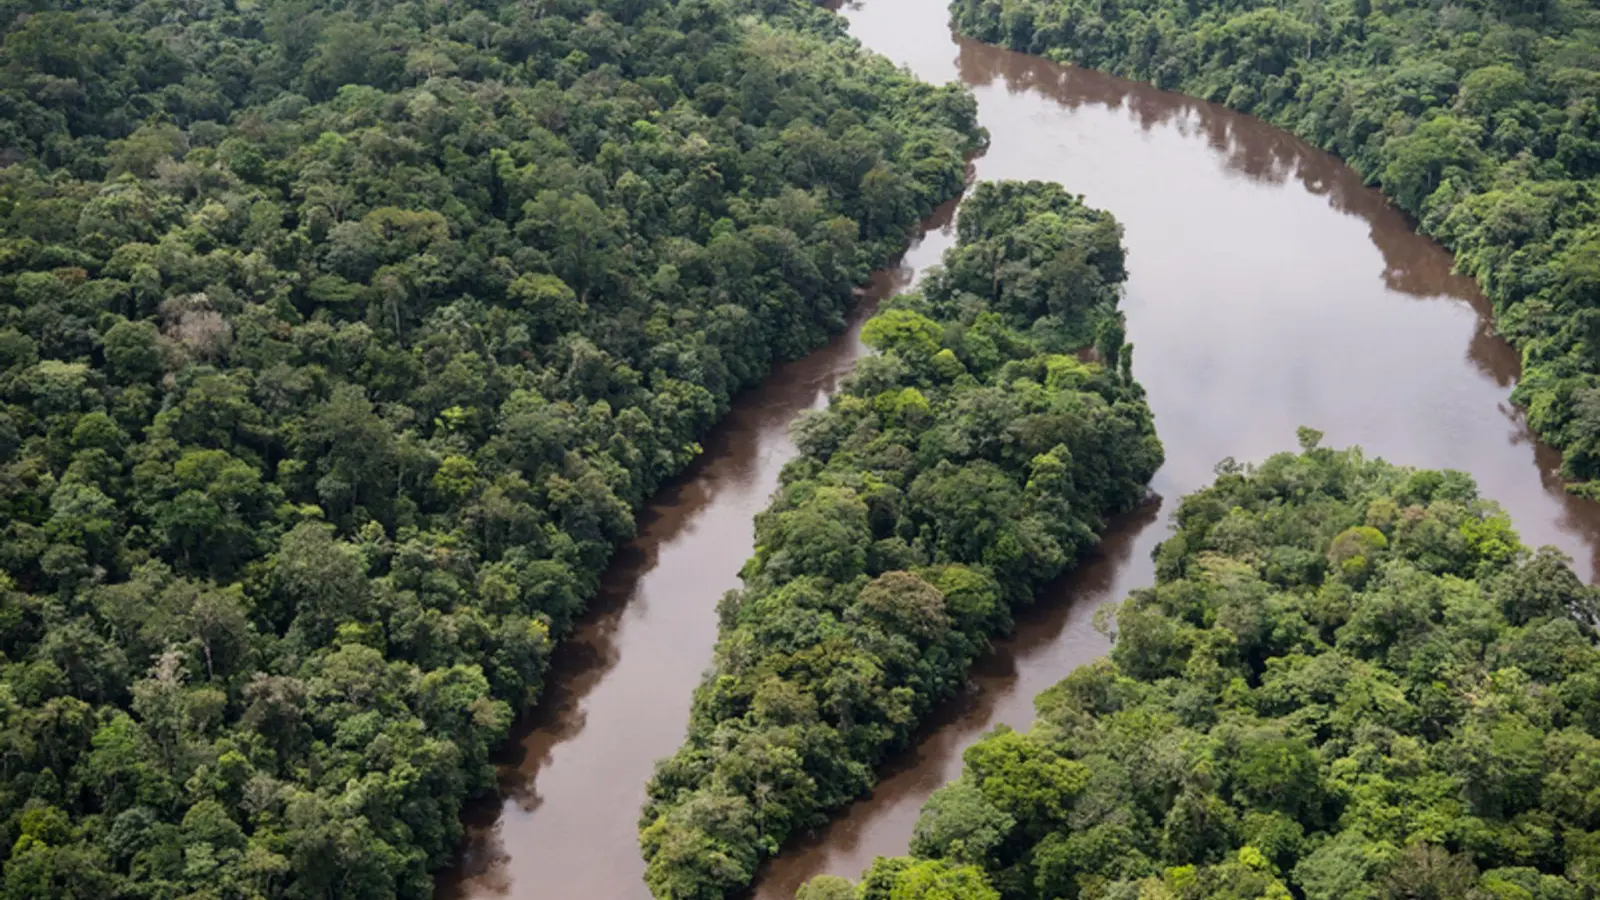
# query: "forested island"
[[973, 459], [1350, 682], [339, 344], [1481, 119]]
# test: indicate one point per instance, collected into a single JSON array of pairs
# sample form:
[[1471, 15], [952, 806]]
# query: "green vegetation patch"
[[338, 344], [1350, 682], [969, 462]]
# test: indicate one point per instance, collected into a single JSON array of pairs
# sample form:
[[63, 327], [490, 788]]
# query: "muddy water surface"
[[1269, 289]]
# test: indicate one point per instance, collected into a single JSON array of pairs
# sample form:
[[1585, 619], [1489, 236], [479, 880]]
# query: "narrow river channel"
[[1268, 289]]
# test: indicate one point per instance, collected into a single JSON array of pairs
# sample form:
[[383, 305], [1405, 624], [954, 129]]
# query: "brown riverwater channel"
[[1268, 289]]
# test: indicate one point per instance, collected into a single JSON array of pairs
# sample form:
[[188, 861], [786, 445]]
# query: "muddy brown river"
[[1268, 289]]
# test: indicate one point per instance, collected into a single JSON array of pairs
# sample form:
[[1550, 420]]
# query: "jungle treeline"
[[339, 342], [1349, 682], [1480, 118], [975, 457]]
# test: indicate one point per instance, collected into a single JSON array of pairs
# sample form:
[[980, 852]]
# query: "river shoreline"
[[692, 539]]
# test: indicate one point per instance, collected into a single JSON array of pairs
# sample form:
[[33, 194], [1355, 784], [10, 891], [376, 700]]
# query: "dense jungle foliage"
[[1479, 117], [338, 343], [1349, 682], [968, 463]]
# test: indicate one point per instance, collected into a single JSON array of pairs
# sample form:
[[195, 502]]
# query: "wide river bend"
[[1268, 289]]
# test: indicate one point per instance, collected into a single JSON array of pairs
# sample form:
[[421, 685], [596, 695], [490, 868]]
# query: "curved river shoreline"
[[573, 778], [1268, 289]]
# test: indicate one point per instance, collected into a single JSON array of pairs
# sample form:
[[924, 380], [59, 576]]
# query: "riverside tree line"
[[1349, 682]]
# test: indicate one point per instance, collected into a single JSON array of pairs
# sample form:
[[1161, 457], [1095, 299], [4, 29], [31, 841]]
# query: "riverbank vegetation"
[[974, 458], [1481, 119], [1349, 682], [338, 344]]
